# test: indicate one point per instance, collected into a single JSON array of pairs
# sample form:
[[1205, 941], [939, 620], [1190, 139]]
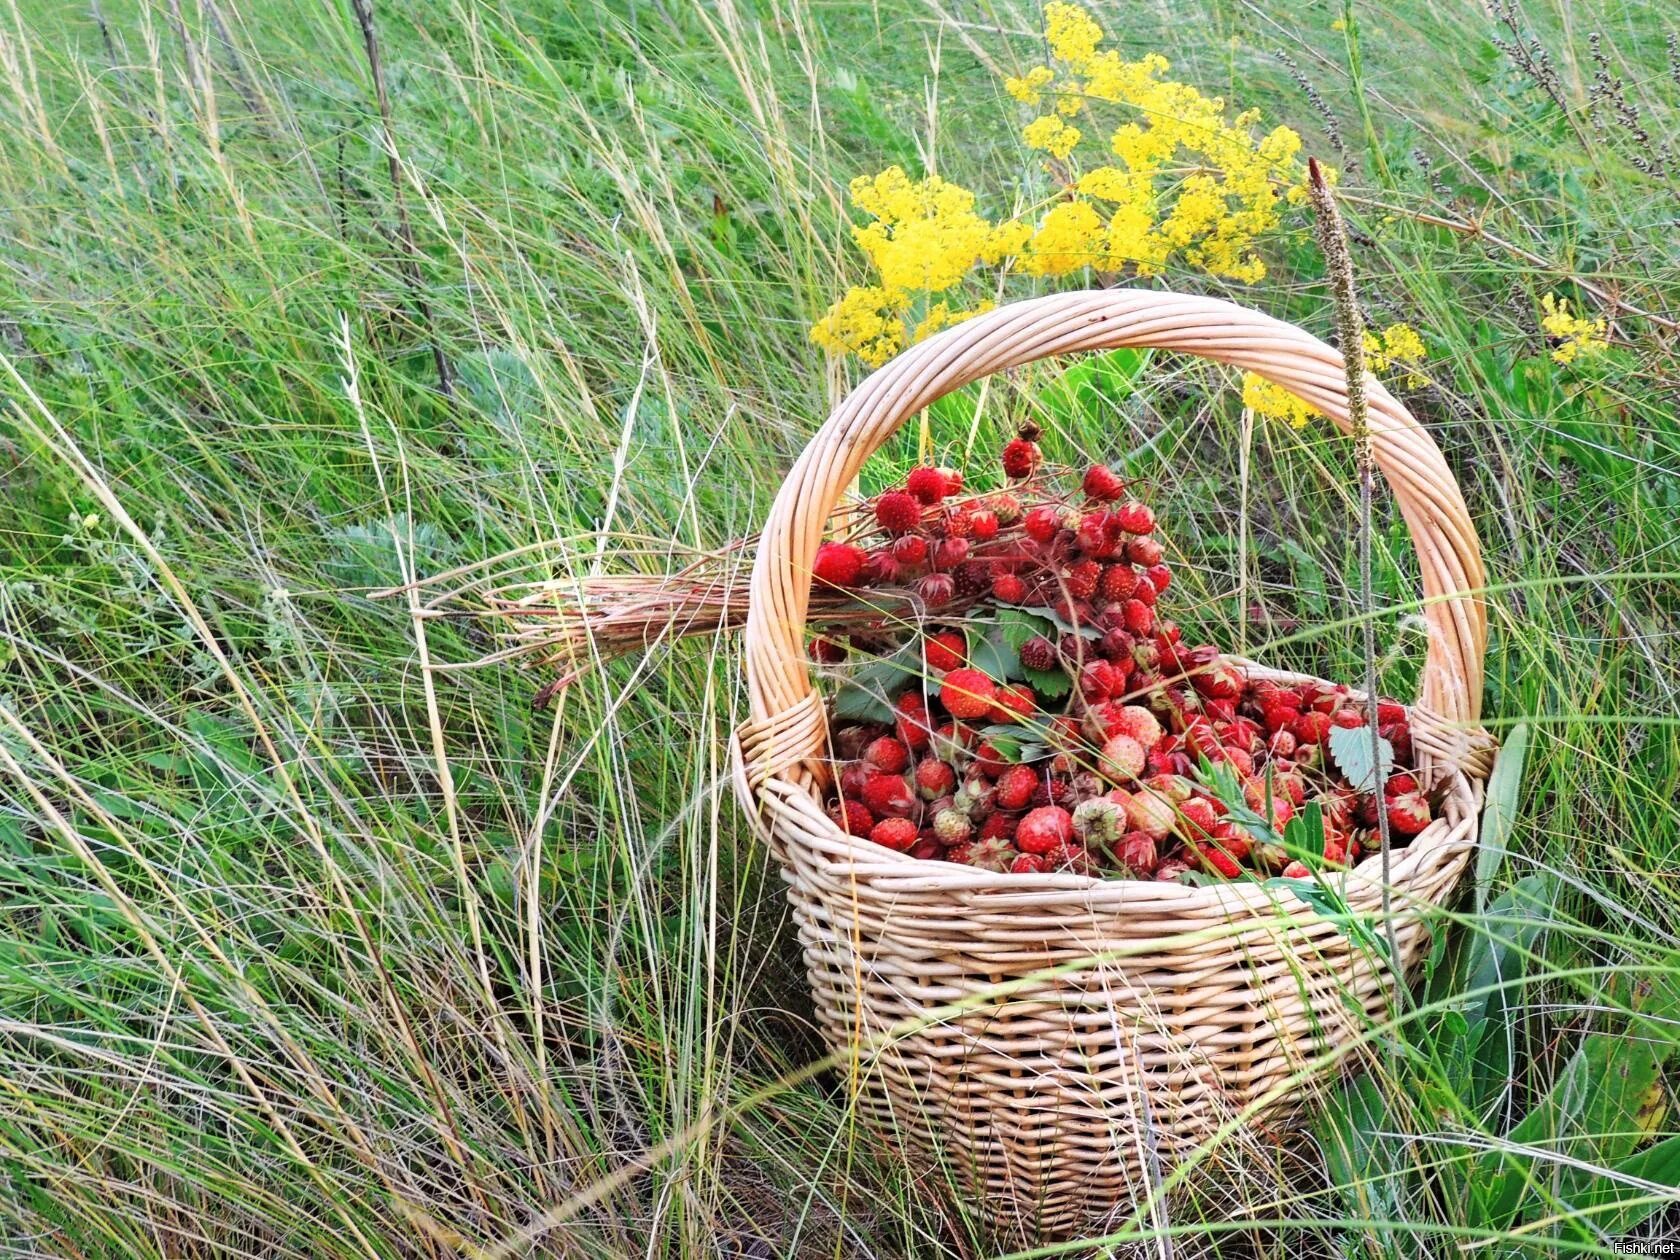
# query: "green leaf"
[[1610, 1204], [1499, 816], [1018, 626], [1303, 835], [996, 659], [1051, 684], [1350, 748], [1085, 630], [865, 694]]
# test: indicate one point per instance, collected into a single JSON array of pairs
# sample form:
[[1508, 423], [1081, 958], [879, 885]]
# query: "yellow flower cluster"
[[1397, 348], [1575, 334], [1180, 182], [1266, 399]]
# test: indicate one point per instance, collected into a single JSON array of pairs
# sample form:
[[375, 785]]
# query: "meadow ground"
[[307, 950]]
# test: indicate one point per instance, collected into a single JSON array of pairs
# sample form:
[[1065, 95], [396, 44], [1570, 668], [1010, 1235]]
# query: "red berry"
[[852, 817], [1139, 616], [825, 651], [948, 553], [911, 551], [1137, 854], [983, 525], [898, 512], [1028, 864], [1015, 787], [946, 650], [1215, 859], [967, 693], [1081, 579], [1135, 518], [1390, 711], [1020, 458], [1098, 680], [1144, 551], [1014, 703], [913, 725], [935, 778], [1102, 484], [999, 827], [1122, 759], [888, 755], [1045, 829], [1042, 523], [985, 853], [1007, 588], [1160, 577], [935, 590], [838, 564], [889, 796], [1400, 783], [988, 760], [1347, 719], [927, 850], [897, 834], [927, 484], [1408, 813], [1118, 582], [1311, 728]]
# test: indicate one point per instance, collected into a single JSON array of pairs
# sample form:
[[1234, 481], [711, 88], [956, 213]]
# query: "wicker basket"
[[1056, 1041]]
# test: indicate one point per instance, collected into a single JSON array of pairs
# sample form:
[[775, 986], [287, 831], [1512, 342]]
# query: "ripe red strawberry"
[[1038, 653], [984, 853], [1214, 859], [1135, 517], [914, 728], [1118, 582], [927, 849], [852, 817], [1081, 579], [1137, 854], [1282, 744], [1171, 870], [1015, 787], [1042, 523], [1007, 588], [999, 827], [967, 693], [1102, 484], [946, 650], [1028, 864], [897, 834], [956, 522], [1311, 728], [853, 776], [889, 796], [1020, 458], [898, 512], [935, 778], [936, 589], [1144, 551], [889, 755], [1348, 719], [1219, 681], [1014, 703], [988, 760], [1145, 592], [1296, 870], [838, 564], [1054, 788], [928, 485], [1408, 813], [953, 478], [1098, 679], [911, 551], [1046, 828], [1117, 644], [825, 651], [1122, 759], [1390, 711], [1160, 577], [982, 525], [1400, 783], [948, 553], [1140, 617]]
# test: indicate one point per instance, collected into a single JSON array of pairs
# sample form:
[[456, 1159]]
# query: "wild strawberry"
[[1042, 523], [1220, 680], [880, 569], [948, 553], [1160, 577], [1144, 551], [898, 512], [888, 755], [967, 693], [1144, 592], [1337, 808], [1044, 829], [982, 525], [976, 798], [1151, 813], [826, 651], [955, 522], [1348, 719], [854, 776], [1171, 871], [952, 826], [1399, 737], [1081, 579], [1296, 870], [1122, 759], [1099, 821], [1038, 653], [996, 855], [1020, 458], [1118, 582], [1281, 744], [1091, 534], [953, 478], [1071, 649], [1139, 723], [1052, 789], [1400, 783], [1117, 644], [1075, 858], [936, 589], [1014, 703], [1102, 484], [946, 650], [1311, 728], [911, 551], [1135, 517], [889, 796], [1335, 850], [1214, 859], [1390, 711], [1015, 787], [838, 564], [852, 817], [1290, 786], [1099, 680], [1137, 854], [1408, 813], [935, 778], [988, 760], [1028, 864], [927, 849], [1004, 505], [913, 725], [1140, 617], [1197, 819], [928, 485], [999, 827], [897, 834], [1008, 589]]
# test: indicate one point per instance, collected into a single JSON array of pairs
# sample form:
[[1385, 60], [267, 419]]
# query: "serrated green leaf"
[[1350, 748], [1018, 626], [865, 694], [1084, 631], [1051, 684], [996, 659]]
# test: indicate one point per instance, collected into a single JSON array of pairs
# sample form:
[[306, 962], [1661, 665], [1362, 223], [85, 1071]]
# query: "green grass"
[[308, 951]]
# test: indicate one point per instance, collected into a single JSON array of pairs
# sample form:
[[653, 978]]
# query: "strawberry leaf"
[[1051, 684], [1350, 748], [865, 694], [1017, 626]]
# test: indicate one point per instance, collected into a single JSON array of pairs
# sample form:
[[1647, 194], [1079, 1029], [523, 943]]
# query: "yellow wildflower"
[[926, 235], [1266, 399], [867, 321], [1026, 89], [1051, 134], [1397, 347], [1072, 34], [1070, 237], [1573, 335]]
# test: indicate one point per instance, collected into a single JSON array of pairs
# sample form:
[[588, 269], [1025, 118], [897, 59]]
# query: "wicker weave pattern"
[[1057, 1038]]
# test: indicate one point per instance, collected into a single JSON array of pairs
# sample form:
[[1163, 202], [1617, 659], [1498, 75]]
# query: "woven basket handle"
[[787, 730]]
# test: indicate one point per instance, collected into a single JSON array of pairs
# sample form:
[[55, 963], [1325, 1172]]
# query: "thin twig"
[[416, 278], [1350, 330]]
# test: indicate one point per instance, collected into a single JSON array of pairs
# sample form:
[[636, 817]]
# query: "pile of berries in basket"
[[1009, 696]]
